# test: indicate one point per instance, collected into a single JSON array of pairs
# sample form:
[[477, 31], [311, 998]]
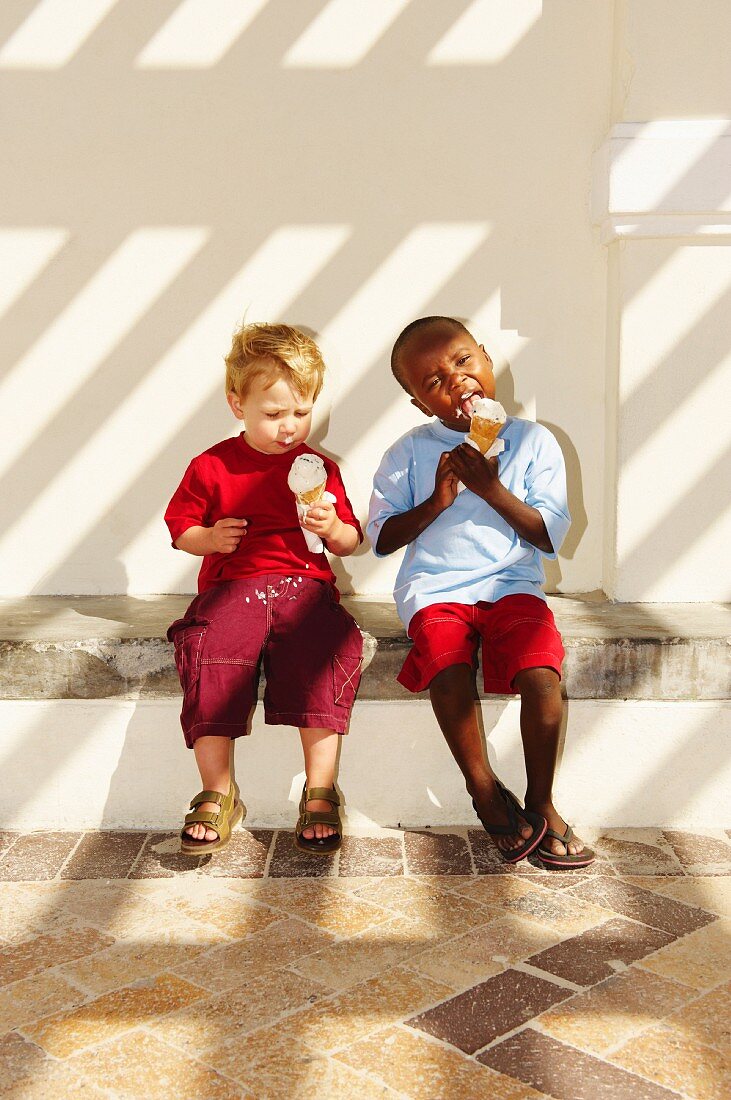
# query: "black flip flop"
[[515, 810], [568, 859]]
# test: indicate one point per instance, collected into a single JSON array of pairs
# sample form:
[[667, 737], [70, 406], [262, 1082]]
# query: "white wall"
[[346, 167], [662, 197], [166, 172]]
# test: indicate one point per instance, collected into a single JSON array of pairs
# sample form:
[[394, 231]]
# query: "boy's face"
[[277, 418], [445, 369]]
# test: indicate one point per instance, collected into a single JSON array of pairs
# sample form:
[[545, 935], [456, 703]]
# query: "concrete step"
[[90, 734], [103, 647]]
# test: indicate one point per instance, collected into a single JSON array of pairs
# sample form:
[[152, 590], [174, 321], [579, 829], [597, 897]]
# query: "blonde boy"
[[265, 600]]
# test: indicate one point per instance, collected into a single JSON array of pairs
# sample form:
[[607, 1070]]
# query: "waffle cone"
[[312, 495], [484, 432]]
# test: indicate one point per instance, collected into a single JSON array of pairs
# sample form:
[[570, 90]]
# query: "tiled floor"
[[410, 965]]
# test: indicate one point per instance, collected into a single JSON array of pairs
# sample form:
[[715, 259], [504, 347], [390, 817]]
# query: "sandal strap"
[[208, 796], [203, 818], [327, 794], [315, 817], [566, 839]]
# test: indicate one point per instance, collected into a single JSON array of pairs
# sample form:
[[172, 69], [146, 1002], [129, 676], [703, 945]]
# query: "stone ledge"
[[99, 647]]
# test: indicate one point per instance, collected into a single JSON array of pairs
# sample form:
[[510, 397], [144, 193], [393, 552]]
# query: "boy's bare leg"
[[320, 747], [541, 710], [212, 755], [452, 699]]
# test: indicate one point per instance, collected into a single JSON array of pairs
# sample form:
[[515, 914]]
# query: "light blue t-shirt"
[[469, 553]]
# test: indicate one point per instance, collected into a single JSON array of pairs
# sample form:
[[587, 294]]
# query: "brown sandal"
[[223, 821], [320, 845]]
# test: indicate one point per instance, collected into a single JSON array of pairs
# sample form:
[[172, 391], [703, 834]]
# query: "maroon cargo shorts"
[[294, 628]]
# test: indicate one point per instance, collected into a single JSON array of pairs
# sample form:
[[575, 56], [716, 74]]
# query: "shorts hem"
[[214, 729], [495, 685], [308, 720], [415, 684]]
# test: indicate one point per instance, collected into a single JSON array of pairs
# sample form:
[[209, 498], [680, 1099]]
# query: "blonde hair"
[[278, 351]]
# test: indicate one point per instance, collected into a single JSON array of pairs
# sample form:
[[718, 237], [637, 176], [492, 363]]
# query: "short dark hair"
[[405, 335]]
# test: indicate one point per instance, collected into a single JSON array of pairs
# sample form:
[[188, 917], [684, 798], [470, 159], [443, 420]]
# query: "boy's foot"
[[574, 847], [199, 831], [491, 807], [213, 815], [324, 834], [318, 805]]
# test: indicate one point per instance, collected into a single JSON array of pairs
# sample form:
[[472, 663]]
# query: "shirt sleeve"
[[343, 507], [189, 504], [545, 481], [392, 491]]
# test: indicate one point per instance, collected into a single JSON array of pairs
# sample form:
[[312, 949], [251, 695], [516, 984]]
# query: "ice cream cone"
[[311, 496], [484, 432]]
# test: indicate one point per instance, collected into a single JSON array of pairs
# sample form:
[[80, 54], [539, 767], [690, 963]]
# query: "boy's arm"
[[400, 529], [481, 477], [223, 538]]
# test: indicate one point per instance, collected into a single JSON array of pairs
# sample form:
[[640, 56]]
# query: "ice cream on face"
[[488, 417], [307, 478]]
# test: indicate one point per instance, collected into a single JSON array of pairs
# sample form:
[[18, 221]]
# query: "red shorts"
[[294, 628], [517, 632]]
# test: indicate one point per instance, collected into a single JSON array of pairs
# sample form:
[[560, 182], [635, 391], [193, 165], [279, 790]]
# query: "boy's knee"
[[453, 679], [540, 686]]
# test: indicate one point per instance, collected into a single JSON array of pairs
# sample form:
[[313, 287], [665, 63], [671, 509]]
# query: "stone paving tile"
[[244, 857], [316, 903], [701, 959], [633, 856], [274, 1065], [36, 856], [107, 1016], [338, 1021], [7, 839], [700, 854], [371, 856], [318, 1076], [498, 890], [19, 1059], [25, 912], [346, 963], [20, 960], [566, 914], [33, 998], [707, 1020], [255, 1004], [566, 1073], [712, 893], [643, 905], [614, 1010], [281, 944], [429, 853], [289, 862], [424, 1070], [52, 1080], [478, 1016], [104, 855], [676, 1060], [138, 1064], [485, 951], [127, 962], [161, 858], [600, 952]]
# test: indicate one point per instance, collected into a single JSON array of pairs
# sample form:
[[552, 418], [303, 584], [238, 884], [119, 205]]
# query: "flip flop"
[[568, 859], [515, 810]]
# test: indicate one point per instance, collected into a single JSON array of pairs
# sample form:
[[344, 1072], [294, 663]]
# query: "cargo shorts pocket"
[[187, 636], [346, 678]]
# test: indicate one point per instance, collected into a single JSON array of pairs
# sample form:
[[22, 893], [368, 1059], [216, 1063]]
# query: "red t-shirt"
[[232, 480]]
